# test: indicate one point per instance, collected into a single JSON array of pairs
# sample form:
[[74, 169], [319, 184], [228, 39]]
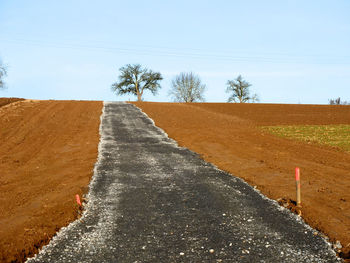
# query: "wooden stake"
[[297, 181]]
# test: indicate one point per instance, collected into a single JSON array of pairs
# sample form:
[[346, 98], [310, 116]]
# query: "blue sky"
[[290, 51]]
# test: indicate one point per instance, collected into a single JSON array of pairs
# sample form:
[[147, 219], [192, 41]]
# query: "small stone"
[[182, 253], [211, 251], [144, 247], [230, 244], [337, 245]]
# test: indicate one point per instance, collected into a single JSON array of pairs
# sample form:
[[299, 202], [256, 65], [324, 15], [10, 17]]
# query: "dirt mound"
[[228, 136], [48, 150], [5, 101]]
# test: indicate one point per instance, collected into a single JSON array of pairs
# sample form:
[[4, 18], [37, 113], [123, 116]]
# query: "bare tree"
[[135, 80], [3, 73], [187, 87], [338, 101], [240, 91]]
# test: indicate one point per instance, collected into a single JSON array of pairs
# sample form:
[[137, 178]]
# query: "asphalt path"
[[152, 201]]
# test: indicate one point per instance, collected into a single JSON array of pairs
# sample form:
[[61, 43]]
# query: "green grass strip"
[[333, 135]]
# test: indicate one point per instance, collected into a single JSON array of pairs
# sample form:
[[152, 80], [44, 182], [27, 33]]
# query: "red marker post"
[[297, 181], [78, 199]]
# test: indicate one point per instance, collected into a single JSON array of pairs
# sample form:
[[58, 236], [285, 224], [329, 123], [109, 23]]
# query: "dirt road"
[[228, 135], [152, 201], [47, 153]]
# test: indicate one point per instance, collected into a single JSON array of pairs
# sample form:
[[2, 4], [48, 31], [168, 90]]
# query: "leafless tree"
[[338, 101], [3, 73], [135, 80], [187, 87], [240, 91]]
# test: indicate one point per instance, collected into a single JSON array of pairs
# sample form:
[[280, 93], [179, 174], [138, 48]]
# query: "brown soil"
[[48, 150], [5, 101], [286, 114], [229, 136]]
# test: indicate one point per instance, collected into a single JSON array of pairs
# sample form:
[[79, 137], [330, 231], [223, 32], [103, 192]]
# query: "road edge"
[[282, 209]]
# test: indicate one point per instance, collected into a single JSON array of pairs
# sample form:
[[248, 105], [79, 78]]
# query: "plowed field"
[[48, 150], [47, 153], [229, 135]]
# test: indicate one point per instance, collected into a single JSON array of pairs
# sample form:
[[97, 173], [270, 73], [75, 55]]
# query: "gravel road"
[[152, 201]]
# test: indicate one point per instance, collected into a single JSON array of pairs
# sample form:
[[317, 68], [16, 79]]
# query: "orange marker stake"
[[297, 181], [78, 199]]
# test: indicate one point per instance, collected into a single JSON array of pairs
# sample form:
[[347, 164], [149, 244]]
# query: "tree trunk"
[[139, 96]]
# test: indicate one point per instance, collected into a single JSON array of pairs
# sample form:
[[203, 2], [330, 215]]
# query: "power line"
[[183, 53]]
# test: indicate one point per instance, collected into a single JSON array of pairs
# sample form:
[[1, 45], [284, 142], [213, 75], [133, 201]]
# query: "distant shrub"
[[338, 101]]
